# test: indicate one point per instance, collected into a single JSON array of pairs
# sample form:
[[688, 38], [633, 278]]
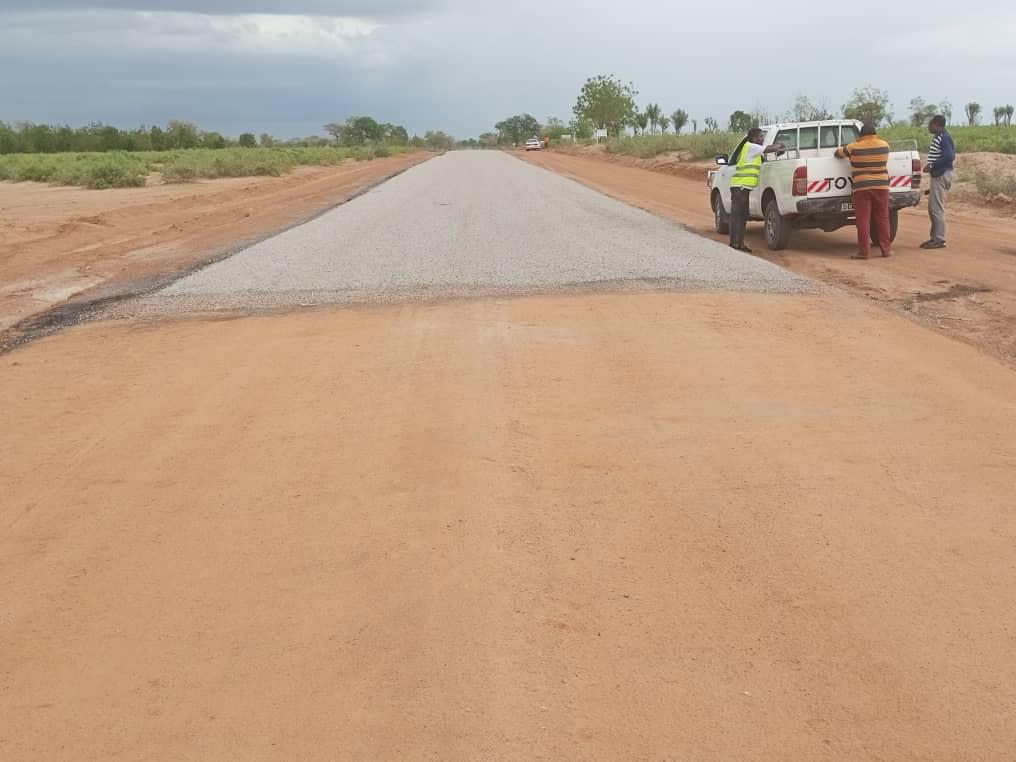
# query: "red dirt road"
[[967, 291], [650, 526]]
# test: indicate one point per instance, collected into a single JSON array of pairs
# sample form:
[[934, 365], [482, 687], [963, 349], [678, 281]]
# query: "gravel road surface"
[[470, 222]]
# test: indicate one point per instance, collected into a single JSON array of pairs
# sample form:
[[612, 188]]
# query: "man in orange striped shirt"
[[869, 166]]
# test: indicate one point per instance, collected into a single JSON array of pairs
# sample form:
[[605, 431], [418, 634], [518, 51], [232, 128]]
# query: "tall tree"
[[711, 125], [680, 119], [867, 104], [973, 110], [653, 113], [664, 123], [1008, 115], [999, 114], [607, 102]]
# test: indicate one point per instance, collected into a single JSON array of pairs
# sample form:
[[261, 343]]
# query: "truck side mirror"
[[722, 159]]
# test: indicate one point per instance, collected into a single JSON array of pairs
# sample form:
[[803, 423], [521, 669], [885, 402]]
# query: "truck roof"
[[818, 123]]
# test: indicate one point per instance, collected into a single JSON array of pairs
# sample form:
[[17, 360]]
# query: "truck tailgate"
[[829, 177]]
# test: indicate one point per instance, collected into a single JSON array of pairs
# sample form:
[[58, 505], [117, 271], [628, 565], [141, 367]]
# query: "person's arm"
[[774, 148], [843, 152], [948, 149]]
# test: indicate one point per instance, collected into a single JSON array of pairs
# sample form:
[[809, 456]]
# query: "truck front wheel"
[[894, 225], [720, 219], [777, 228]]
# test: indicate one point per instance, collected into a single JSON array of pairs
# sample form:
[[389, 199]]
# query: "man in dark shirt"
[[941, 156]]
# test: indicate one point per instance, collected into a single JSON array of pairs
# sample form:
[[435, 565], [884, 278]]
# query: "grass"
[[992, 185], [130, 170], [705, 145]]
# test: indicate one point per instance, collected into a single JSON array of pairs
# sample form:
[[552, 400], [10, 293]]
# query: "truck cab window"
[[830, 137], [848, 134], [808, 138], [788, 137]]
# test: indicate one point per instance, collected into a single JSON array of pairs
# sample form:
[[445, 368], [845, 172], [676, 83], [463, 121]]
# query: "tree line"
[[606, 102], [28, 137]]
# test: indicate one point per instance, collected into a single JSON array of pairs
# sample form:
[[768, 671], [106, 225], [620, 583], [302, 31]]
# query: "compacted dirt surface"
[[967, 291], [655, 510], [58, 244]]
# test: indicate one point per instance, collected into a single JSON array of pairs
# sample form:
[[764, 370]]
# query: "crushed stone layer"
[[472, 223]]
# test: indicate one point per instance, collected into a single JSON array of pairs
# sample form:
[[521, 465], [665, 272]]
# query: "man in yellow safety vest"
[[744, 181]]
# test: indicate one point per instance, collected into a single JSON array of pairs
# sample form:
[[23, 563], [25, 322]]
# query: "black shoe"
[[936, 244], [927, 243]]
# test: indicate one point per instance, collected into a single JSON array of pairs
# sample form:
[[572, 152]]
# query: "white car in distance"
[[533, 144]]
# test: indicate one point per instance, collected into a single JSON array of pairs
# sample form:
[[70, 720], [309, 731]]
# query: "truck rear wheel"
[[777, 228], [720, 219], [894, 225]]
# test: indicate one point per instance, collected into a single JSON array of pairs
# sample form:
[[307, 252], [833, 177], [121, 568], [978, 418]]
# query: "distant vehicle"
[[533, 144], [806, 186]]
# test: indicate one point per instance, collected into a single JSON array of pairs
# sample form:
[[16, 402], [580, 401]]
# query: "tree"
[[806, 111], [606, 102], [555, 128], [518, 128], [247, 140], [653, 113], [1008, 115], [680, 119], [267, 141], [945, 109], [180, 134], [641, 121], [740, 121], [999, 114], [694, 126], [868, 104], [664, 123], [973, 110], [582, 129], [215, 140], [356, 131], [711, 125], [438, 140], [921, 112]]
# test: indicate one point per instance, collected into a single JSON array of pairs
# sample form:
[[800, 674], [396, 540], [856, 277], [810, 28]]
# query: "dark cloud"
[[360, 8]]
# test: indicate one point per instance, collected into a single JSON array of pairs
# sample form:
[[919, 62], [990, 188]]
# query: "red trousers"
[[869, 204]]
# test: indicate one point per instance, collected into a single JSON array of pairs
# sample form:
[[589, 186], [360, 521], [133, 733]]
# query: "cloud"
[[334, 8]]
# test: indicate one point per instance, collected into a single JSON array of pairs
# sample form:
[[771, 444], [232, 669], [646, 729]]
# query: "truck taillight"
[[801, 181], [915, 166]]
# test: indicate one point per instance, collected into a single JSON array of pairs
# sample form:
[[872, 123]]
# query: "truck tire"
[[720, 219], [894, 225], [777, 228]]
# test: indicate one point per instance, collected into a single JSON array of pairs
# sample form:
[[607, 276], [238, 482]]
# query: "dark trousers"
[[868, 205], [738, 214]]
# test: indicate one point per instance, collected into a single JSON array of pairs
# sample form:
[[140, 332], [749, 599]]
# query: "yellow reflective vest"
[[748, 170]]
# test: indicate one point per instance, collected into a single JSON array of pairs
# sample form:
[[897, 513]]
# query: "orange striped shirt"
[[869, 162]]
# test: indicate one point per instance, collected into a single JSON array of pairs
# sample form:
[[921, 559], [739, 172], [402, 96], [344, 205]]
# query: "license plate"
[[846, 207]]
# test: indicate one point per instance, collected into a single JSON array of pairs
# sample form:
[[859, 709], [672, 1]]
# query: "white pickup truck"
[[806, 186]]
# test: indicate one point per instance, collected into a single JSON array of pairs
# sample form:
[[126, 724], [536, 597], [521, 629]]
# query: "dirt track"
[[967, 291], [60, 243], [643, 526]]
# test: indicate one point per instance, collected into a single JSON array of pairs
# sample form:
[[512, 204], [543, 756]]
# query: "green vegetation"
[[127, 170], [88, 170], [705, 145], [606, 102]]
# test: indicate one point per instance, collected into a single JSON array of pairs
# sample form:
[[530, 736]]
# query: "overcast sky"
[[290, 66]]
